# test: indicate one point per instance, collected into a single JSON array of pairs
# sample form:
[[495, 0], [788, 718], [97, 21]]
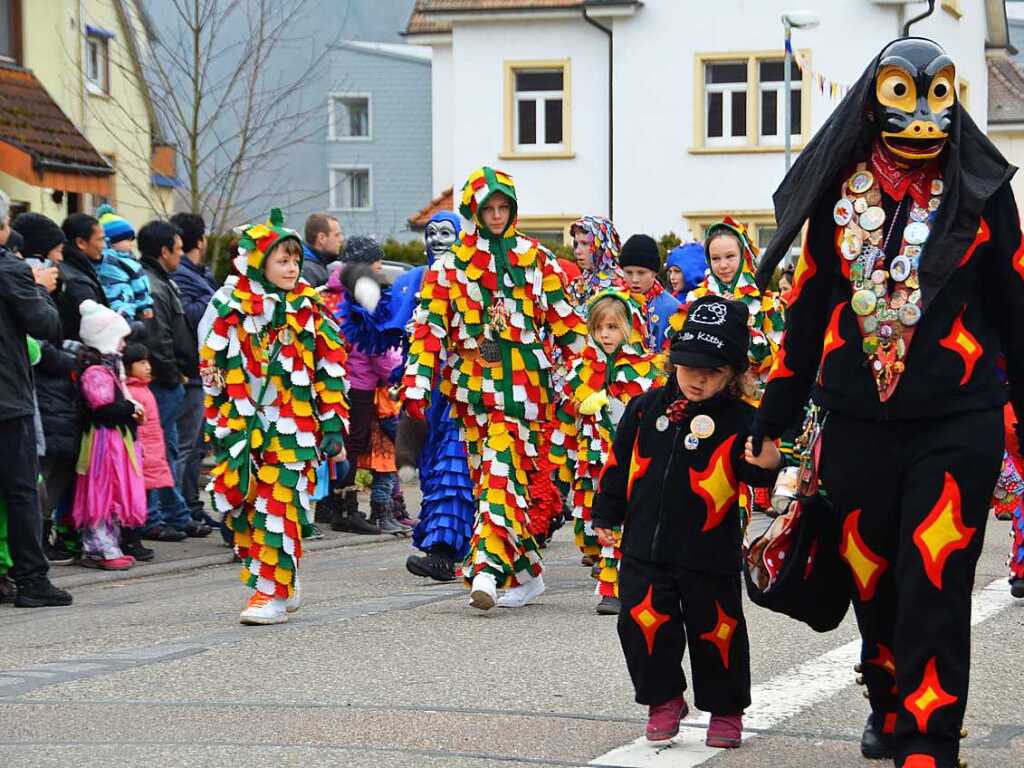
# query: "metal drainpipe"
[[925, 15], [611, 113]]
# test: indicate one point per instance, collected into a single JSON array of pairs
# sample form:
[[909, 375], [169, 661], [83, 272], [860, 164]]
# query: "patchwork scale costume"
[[597, 390], [767, 320], [484, 306], [913, 234], [273, 370], [604, 273]]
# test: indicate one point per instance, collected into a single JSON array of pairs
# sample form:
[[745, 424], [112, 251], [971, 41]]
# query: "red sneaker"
[[663, 719], [122, 563], [725, 731]]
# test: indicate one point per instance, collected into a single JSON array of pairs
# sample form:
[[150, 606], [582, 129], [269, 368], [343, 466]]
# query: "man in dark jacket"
[[196, 285], [174, 356], [83, 253], [25, 309], [324, 240]]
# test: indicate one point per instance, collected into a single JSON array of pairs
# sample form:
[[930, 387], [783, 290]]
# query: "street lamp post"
[[791, 21]]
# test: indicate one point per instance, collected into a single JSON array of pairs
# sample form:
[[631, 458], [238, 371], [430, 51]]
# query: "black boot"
[[438, 564], [874, 744], [131, 544], [323, 512], [1017, 587], [380, 514], [347, 517], [40, 593]]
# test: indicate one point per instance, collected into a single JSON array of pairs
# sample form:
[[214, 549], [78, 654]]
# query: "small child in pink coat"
[[156, 472]]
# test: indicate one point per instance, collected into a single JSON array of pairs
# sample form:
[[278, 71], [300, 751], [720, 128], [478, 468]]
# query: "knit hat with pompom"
[[102, 328]]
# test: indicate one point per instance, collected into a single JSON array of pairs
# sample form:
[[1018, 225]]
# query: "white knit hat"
[[101, 328]]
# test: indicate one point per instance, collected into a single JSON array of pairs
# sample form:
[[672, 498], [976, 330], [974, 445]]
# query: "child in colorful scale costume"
[[614, 368], [1008, 500], [485, 304], [272, 365], [730, 259], [596, 246]]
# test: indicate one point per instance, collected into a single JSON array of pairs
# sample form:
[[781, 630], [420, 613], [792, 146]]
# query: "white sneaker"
[[293, 603], [484, 593], [524, 594], [264, 609]]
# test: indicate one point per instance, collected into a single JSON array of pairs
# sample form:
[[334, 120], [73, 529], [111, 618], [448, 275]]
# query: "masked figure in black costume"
[[910, 283]]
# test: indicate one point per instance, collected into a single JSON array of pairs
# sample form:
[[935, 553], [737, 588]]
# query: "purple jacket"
[[371, 371]]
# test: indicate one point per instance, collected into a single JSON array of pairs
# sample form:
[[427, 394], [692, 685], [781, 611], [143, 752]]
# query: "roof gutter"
[[611, 111]]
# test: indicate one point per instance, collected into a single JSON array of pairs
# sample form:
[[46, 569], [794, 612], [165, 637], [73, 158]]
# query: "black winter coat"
[[173, 352], [57, 396], [80, 283], [26, 309], [677, 506]]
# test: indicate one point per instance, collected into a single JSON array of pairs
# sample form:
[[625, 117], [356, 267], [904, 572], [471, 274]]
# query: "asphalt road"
[[380, 668]]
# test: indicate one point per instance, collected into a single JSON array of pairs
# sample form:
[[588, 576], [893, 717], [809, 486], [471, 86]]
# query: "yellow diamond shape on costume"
[[646, 618], [941, 531], [724, 630], [923, 701]]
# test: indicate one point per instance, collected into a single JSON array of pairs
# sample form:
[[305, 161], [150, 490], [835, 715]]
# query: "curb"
[[87, 576]]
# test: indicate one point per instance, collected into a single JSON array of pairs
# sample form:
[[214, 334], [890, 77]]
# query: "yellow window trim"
[[752, 58], [953, 7], [560, 221], [963, 91], [508, 150], [752, 219], [740, 150]]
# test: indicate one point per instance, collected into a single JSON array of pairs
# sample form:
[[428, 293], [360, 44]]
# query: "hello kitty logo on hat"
[[709, 314]]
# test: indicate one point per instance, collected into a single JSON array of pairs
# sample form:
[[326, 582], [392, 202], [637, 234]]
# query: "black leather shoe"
[[163, 533], [874, 744], [432, 566], [40, 594], [196, 530], [136, 550], [1017, 587]]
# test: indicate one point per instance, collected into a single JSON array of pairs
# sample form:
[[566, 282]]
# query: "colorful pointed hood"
[[743, 282], [637, 340], [257, 241], [481, 184]]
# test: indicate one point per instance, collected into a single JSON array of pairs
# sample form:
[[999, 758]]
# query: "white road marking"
[[780, 698]]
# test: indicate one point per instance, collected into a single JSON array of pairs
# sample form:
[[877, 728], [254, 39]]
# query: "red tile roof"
[[1005, 92], [31, 121], [442, 202]]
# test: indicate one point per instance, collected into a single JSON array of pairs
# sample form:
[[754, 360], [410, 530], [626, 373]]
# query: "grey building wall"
[[398, 152]]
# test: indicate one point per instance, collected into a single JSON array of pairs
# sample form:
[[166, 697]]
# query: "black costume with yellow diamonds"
[[910, 282]]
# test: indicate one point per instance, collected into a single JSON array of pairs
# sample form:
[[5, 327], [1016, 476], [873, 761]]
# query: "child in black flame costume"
[[913, 241]]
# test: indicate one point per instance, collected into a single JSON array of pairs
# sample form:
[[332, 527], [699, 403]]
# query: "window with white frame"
[[349, 116], [350, 189], [744, 101], [725, 103], [772, 101], [97, 60], [538, 114]]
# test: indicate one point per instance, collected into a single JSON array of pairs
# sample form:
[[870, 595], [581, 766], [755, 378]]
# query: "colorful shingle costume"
[[604, 273], [597, 390], [913, 236], [767, 321], [483, 307], [273, 369]]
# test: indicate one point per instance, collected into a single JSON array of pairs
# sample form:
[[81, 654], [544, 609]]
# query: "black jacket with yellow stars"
[[950, 364], [679, 506]]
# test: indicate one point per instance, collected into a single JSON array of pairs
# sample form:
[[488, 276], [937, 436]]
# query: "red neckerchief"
[[898, 179], [676, 410], [656, 290]]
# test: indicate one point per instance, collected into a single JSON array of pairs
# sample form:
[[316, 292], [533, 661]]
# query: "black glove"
[[116, 414]]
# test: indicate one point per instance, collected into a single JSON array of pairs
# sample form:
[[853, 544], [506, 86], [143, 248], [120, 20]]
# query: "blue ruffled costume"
[[448, 507]]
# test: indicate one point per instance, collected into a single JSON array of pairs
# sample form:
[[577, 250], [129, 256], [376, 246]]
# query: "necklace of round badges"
[[886, 297]]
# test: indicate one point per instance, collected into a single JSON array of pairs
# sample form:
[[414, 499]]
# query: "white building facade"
[[697, 88]]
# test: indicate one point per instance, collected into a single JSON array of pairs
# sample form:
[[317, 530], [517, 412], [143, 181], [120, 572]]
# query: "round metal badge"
[[898, 298], [910, 314], [851, 245], [900, 268], [870, 324], [691, 441], [842, 213], [860, 205], [937, 186], [662, 423], [863, 302], [702, 426], [933, 204], [872, 218], [916, 232], [286, 336], [861, 182], [917, 213], [878, 276]]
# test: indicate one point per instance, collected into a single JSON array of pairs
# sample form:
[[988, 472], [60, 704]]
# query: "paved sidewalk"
[[174, 557]]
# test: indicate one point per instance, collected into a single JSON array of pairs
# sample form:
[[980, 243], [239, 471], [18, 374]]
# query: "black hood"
[[973, 169]]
